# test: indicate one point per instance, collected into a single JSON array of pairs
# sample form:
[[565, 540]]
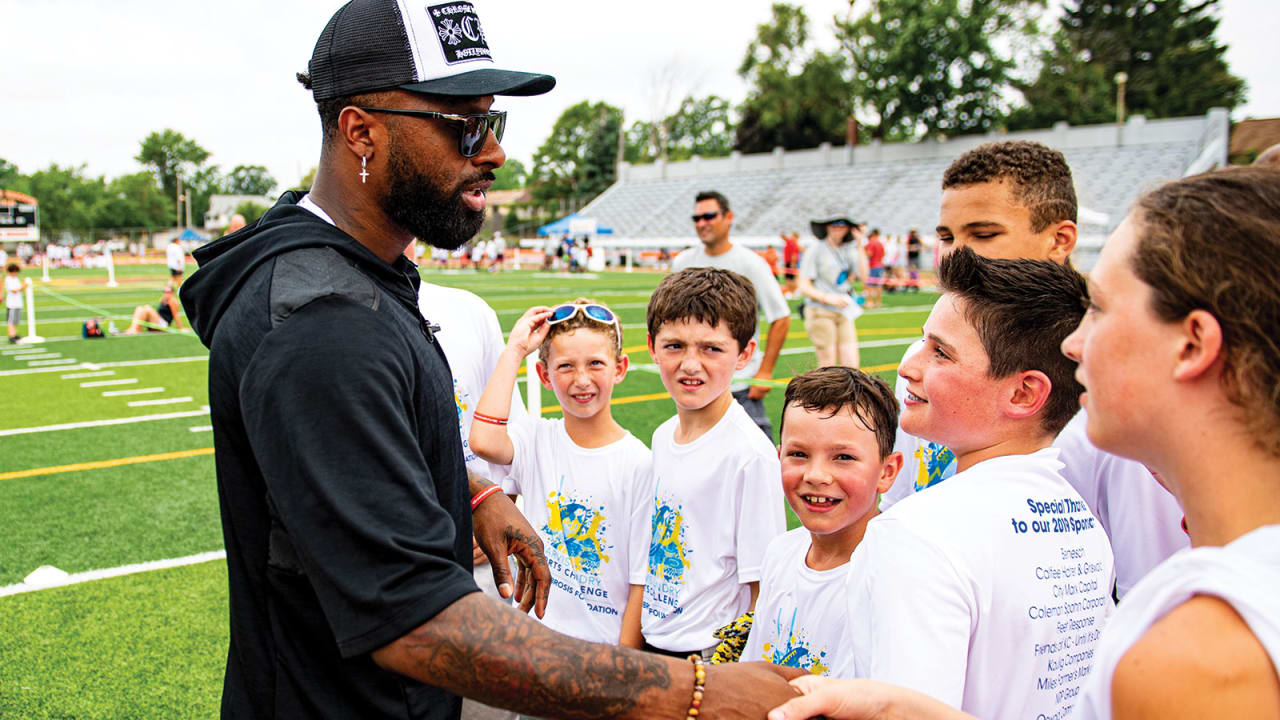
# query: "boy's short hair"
[[1022, 310], [1039, 176], [578, 321], [13, 268], [708, 295], [721, 200], [834, 388], [1212, 242]]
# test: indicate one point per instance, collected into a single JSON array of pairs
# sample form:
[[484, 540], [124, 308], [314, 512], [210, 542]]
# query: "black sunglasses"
[[706, 216], [473, 128]]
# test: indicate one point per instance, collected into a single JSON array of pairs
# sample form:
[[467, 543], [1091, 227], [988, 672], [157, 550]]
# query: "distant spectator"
[[914, 247], [875, 265], [1269, 158], [770, 256], [237, 222], [826, 279], [13, 300], [790, 261], [162, 316], [176, 259]]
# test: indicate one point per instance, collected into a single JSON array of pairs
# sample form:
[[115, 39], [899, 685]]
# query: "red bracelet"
[[490, 419], [483, 495]]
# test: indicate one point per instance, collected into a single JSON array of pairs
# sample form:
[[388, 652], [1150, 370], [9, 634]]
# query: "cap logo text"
[[461, 36]]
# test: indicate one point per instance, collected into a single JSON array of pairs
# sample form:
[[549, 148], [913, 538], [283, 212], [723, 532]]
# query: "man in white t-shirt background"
[[712, 219], [1016, 199], [176, 259]]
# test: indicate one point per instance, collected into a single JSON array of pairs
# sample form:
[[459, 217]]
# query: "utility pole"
[[177, 204], [1122, 78]]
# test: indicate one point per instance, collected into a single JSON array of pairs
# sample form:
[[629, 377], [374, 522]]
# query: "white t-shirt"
[[1141, 518], [988, 592], [591, 509], [802, 615], [175, 256], [832, 271], [769, 298], [12, 292], [472, 341], [1245, 574], [717, 504]]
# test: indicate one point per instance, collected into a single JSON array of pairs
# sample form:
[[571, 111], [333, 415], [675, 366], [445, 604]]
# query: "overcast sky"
[[84, 81]]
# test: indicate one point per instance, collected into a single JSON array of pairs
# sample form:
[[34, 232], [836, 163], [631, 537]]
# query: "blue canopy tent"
[[563, 225], [191, 236]]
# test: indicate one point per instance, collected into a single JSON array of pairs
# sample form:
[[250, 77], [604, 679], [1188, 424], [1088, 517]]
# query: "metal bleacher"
[[896, 187]]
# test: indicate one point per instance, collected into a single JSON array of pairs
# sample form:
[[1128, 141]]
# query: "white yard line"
[[200, 428], [105, 423], [162, 401], [82, 577], [139, 391], [42, 364], [98, 366], [41, 356], [23, 350], [108, 383], [77, 376]]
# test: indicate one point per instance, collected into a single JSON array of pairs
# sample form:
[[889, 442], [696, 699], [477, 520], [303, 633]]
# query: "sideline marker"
[[32, 337]]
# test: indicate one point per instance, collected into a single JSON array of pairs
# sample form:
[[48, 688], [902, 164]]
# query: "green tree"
[[511, 176], [700, 126], [133, 200], [10, 177], [204, 182], [797, 97], [1175, 65], [307, 180], [250, 180], [250, 211], [931, 66], [168, 153], [577, 160], [68, 198]]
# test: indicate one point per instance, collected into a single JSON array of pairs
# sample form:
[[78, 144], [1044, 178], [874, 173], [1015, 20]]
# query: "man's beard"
[[430, 213]]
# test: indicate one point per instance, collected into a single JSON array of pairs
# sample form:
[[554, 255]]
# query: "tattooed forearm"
[[485, 650]]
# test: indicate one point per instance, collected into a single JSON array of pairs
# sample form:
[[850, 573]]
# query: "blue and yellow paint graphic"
[[936, 463], [578, 531], [668, 550], [792, 650]]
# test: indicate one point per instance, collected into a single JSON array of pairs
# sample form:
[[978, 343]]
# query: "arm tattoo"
[[485, 650]]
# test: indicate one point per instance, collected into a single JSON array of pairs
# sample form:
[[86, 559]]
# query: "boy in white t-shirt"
[[988, 592], [717, 502], [837, 457], [585, 480], [12, 300]]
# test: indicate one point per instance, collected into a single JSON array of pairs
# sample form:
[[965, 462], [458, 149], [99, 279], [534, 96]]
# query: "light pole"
[[1122, 78]]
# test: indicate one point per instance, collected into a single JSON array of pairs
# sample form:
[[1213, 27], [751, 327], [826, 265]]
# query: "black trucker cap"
[[372, 45]]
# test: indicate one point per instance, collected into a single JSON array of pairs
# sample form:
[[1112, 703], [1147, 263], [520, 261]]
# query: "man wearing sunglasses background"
[[347, 512], [712, 220]]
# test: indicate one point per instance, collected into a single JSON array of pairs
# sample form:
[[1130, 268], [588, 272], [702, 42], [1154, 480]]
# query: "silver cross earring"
[[364, 173]]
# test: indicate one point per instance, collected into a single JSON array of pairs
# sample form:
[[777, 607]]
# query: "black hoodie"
[[343, 492]]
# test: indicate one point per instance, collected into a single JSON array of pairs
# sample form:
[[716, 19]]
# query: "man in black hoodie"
[[341, 481]]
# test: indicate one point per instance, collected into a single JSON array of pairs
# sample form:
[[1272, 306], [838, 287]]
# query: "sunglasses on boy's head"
[[473, 128], [599, 313], [707, 216]]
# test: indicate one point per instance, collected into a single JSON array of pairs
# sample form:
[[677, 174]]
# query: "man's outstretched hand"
[[501, 530]]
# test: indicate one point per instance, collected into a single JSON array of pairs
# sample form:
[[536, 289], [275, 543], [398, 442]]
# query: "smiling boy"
[[717, 502], [988, 591], [837, 457], [585, 479], [1016, 199]]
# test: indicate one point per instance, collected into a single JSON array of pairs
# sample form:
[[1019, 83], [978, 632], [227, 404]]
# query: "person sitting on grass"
[[837, 455], [584, 478], [160, 317]]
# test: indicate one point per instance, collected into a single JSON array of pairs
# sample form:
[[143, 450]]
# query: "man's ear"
[[1201, 345], [1029, 391], [359, 131], [744, 357], [543, 375], [1063, 241]]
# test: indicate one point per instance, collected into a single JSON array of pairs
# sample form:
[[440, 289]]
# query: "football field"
[[107, 474]]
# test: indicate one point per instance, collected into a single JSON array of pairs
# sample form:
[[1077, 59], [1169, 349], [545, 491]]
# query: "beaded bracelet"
[[699, 685], [490, 419], [482, 495]]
